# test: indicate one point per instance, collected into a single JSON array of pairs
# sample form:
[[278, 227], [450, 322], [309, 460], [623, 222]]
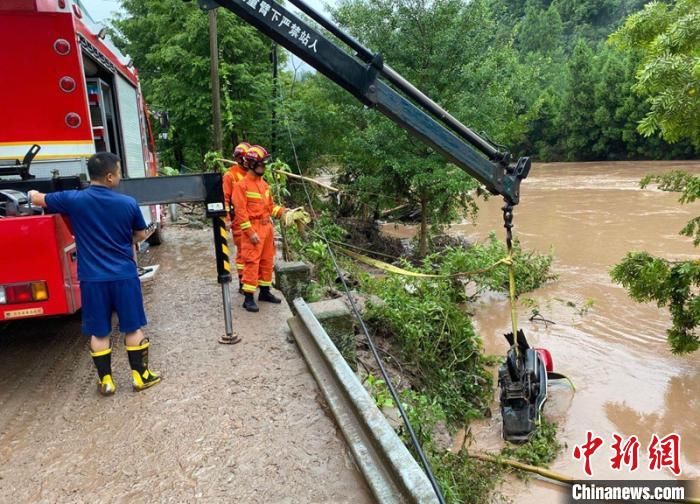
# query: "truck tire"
[[157, 237]]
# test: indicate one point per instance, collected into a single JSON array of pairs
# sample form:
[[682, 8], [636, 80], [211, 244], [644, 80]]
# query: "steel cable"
[[414, 440]]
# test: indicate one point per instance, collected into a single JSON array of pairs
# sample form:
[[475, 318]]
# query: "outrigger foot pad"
[[230, 340]]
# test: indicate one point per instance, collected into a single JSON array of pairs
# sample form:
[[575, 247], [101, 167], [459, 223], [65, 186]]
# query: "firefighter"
[[235, 174], [106, 224], [254, 207]]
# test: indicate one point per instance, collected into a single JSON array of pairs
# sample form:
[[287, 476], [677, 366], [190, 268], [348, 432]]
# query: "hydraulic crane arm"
[[360, 75]]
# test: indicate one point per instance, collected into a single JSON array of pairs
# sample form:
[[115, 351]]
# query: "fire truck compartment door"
[[133, 135], [131, 128]]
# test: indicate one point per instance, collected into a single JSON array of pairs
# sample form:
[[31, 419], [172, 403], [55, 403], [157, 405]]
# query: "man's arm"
[[228, 190], [55, 202], [36, 198], [138, 224], [139, 235]]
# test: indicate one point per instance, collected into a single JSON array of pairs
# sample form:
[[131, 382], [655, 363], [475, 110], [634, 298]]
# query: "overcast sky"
[[101, 10]]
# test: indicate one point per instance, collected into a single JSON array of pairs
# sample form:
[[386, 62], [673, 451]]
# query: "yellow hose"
[[546, 473]]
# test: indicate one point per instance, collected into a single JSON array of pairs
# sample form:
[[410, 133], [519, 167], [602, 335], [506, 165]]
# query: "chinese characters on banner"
[[662, 453], [295, 31]]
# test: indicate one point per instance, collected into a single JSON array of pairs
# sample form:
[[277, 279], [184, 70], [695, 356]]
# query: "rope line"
[[370, 340], [401, 271]]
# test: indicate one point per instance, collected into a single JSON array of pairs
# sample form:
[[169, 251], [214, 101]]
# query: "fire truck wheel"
[[157, 237]]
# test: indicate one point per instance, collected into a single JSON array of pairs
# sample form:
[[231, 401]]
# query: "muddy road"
[[242, 423]]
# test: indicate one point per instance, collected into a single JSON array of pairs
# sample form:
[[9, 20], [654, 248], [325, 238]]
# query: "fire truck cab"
[[65, 88]]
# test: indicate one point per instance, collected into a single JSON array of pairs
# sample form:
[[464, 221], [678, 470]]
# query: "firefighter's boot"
[[266, 295], [103, 363], [249, 303], [138, 360]]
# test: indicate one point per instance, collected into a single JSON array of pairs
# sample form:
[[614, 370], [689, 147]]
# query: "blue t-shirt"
[[103, 223]]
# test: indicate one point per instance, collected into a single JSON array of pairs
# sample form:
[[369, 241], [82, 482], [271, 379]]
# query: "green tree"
[[317, 117], [540, 30], [169, 43], [477, 82], [544, 139], [668, 36], [674, 284], [610, 95], [589, 19], [579, 105]]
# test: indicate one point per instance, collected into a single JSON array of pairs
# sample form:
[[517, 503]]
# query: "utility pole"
[[215, 90], [273, 139], [273, 57]]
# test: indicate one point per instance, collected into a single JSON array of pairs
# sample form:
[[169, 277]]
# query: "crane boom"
[[376, 85]]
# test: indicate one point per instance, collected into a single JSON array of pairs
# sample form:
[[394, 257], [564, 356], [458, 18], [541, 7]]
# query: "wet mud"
[[241, 423]]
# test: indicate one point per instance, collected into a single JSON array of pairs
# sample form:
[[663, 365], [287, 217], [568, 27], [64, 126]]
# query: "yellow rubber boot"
[[103, 363], [143, 377]]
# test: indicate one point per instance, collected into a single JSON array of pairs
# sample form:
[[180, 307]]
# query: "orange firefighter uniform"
[[234, 175], [254, 208]]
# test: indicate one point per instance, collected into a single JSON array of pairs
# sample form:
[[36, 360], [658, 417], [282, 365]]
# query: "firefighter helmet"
[[257, 154], [241, 149]]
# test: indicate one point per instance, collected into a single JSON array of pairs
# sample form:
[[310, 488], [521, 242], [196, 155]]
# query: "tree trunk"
[[178, 153], [423, 241], [215, 87]]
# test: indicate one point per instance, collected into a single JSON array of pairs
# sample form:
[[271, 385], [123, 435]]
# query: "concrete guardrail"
[[390, 470]]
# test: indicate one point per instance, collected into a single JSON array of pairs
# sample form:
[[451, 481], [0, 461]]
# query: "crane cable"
[[508, 224], [385, 375]]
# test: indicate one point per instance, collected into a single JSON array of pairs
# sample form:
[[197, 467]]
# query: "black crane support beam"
[[361, 80], [204, 188]]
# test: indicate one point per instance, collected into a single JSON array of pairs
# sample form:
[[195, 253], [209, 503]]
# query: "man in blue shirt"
[[106, 224]]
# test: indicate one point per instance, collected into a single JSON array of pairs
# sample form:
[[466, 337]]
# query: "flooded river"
[[628, 382]]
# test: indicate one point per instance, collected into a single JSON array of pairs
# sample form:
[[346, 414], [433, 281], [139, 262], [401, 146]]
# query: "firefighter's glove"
[[254, 238], [296, 216]]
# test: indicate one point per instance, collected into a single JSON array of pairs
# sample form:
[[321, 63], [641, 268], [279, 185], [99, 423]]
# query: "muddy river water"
[[628, 382]]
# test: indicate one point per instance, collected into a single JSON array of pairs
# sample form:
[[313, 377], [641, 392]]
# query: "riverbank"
[[628, 382]]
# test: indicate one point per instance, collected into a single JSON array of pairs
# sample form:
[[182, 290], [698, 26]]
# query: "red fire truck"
[[66, 92]]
